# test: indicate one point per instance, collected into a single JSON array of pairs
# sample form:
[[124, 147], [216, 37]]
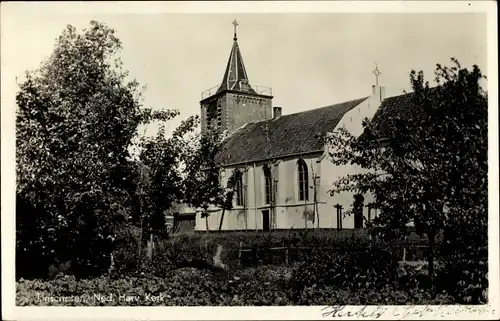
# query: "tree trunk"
[[222, 218], [206, 223]]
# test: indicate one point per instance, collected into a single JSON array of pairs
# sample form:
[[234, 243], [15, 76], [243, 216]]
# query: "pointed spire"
[[235, 77]]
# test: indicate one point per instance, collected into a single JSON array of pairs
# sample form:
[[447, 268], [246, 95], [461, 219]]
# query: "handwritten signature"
[[401, 312], [337, 311]]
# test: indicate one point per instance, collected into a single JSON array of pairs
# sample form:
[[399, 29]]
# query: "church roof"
[[392, 108], [283, 136], [397, 108], [235, 77]]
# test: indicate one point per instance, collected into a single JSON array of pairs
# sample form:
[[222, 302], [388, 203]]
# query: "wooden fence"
[[404, 246]]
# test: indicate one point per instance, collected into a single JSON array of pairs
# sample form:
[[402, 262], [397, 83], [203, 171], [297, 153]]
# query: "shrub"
[[126, 251], [186, 286], [465, 276], [371, 272], [300, 284], [197, 249]]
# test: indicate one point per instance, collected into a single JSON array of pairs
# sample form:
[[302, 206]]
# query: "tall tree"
[[160, 165], [76, 117], [431, 167], [226, 199], [202, 185]]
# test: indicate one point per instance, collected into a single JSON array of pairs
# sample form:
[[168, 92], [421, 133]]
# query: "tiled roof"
[[392, 109], [286, 135]]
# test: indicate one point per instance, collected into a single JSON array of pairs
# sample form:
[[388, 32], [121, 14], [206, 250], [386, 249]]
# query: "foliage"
[[159, 165], [373, 268], [263, 285], [76, 117], [370, 277], [231, 188], [202, 185], [197, 249], [465, 274], [430, 168], [126, 247], [355, 274], [187, 286], [357, 210]]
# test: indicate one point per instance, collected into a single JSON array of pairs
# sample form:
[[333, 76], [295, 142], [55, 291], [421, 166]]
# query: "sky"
[[309, 60]]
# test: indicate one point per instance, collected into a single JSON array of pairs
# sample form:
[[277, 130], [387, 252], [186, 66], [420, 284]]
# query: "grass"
[[256, 277]]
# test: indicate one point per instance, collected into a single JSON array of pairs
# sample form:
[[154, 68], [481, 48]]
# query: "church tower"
[[235, 102]]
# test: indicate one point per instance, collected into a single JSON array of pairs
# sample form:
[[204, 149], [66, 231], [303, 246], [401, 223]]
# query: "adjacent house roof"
[[286, 135]]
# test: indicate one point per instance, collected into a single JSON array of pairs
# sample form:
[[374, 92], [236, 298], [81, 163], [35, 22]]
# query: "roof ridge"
[[305, 111], [315, 109], [408, 93], [296, 134], [333, 105], [399, 96]]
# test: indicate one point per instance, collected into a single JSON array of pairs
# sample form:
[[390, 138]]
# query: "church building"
[[286, 170]]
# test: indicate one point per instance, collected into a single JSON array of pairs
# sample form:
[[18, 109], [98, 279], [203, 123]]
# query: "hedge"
[[299, 284], [193, 249]]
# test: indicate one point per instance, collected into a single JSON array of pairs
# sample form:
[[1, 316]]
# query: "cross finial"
[[377, 73], [235, 24]]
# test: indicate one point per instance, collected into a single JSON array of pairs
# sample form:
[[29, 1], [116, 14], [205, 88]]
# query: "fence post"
[[239, 252]]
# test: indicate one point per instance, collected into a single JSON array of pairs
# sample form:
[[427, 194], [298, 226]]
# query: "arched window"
[[303, 180], [267, 183], [239, 191]]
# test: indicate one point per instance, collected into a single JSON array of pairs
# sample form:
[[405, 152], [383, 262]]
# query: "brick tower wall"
[[241, 109], [235, 109]]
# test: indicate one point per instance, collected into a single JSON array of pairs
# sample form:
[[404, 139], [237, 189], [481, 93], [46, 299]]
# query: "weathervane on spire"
[[377, 73], [235, 24]]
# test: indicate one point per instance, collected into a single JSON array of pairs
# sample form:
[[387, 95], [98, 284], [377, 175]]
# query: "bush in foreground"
[[192, 249], [263, 286], [350, 278], [186, 286]]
